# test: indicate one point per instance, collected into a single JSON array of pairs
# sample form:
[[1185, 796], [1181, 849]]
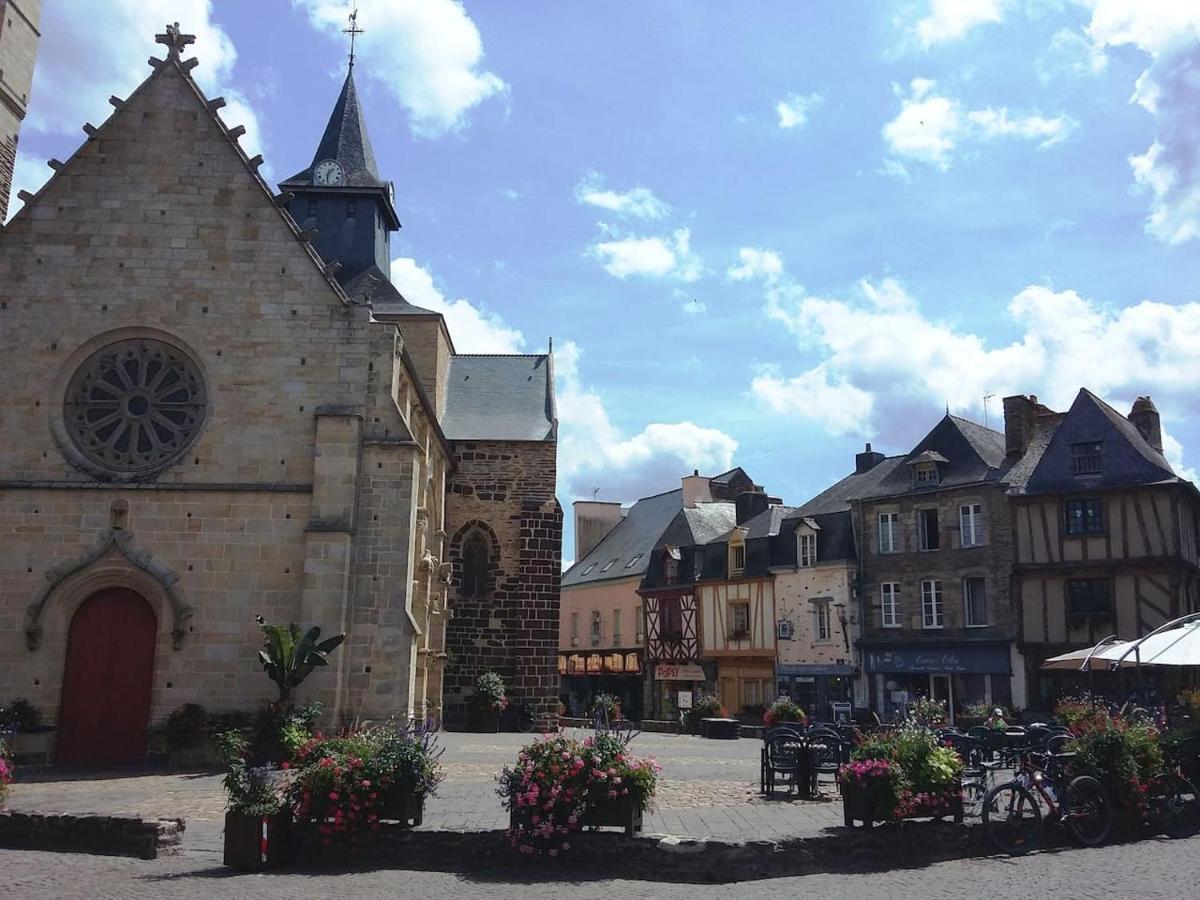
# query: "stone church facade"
[[217, 406]]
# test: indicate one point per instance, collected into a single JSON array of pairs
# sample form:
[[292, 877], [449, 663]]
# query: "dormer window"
[[1087, 458], [926, 473], [737, 555], [807, 549], [670, 563]]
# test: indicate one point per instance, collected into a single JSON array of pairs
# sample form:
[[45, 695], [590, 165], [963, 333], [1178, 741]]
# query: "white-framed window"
[[975, 601], [889, 594], [889, 532], [824, 630], [737, 559], [616, 620], [971, 525], [931, 603], [925, 473], [808, 549]]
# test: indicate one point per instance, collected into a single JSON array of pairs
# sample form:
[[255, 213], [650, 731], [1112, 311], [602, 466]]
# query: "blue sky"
[[759, 234]]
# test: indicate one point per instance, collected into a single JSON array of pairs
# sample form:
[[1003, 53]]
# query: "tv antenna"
[[986, 398]]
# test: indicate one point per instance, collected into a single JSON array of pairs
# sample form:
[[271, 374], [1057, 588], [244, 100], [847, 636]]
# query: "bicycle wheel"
[[1011, 818], [1179, 812], [973, 793], [525, 722], [1087, 810]]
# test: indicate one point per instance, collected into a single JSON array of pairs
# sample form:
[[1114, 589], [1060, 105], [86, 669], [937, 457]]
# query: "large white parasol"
[[1176, 643]]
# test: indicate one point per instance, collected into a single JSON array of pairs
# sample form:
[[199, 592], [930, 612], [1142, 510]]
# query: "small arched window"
[[475, 564]]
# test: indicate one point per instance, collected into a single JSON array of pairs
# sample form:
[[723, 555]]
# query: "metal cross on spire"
[[354, 31]]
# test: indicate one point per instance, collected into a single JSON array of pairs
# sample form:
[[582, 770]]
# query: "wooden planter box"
[[620, 813], [244, 840], [858, 807], [402, 806]]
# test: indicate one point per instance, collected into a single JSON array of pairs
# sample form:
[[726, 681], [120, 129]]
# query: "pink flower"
[[333, 795]]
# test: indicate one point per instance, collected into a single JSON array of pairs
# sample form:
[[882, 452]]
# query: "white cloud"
[[688, 303], [653, 257], [29, 174], [595, 453], [1169, 169], [471, 329], [793, 110], [931, 127], [1173, 451], [880, 346], [1070, 53], [427, 53], [756, 263], [638, 202], [90, 49], [949, 20]]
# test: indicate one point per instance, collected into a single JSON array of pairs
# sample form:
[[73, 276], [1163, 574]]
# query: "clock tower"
[[342, 195]]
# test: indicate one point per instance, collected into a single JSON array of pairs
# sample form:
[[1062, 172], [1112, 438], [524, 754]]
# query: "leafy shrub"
[[1124, 756], [251, 790], [557, 779], [341, 782], [187, 726], [606, 707], [927, 774], [926, 712], [1081, 711], [783, 710], [20, 716], [705, 706], [489, 692]]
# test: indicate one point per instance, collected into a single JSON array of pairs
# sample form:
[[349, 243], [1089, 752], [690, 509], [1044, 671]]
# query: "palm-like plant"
[[289, 655]]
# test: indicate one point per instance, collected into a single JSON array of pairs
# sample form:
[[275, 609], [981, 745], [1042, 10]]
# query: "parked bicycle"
[[1173, 802], [1013, 811]]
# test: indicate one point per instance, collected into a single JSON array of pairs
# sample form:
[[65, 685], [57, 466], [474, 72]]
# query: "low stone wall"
[[99, 835]]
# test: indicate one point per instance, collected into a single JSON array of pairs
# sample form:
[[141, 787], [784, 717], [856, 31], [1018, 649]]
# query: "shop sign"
[[954, 660], [665, 672]]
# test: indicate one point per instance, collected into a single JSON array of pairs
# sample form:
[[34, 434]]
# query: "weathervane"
[[354, 31]]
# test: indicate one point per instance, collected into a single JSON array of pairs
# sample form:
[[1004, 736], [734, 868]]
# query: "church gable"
[[159, 229]]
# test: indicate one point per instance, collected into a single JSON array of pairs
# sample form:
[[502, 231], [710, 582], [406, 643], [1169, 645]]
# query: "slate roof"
[[373, 285], [630, 542], [974, 455], [346, 140], [500, 397], [838, 497]]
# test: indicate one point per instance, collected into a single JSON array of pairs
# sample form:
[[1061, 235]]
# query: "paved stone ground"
[[1148, 870], [707, 789]]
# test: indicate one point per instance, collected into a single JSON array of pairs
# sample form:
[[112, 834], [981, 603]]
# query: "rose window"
[[135, 405]]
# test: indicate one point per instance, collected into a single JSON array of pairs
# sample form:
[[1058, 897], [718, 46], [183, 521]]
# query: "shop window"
[[975, 601], [1085, 516], [1089, 596], [928, 536], [475, 564], [931, 604]]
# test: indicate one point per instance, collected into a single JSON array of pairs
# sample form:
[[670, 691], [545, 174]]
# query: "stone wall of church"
[[506, 488]]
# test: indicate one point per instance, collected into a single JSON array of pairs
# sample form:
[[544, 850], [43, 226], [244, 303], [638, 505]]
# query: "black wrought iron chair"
[[785, 761], [827, 751]]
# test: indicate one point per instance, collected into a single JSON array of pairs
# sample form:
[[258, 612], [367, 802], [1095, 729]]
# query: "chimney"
[[1020, 416], [593, 520], [867, 460], [1145, 416], [696, 489], [749, 504]]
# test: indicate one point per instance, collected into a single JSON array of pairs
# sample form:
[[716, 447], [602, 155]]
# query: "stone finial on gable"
[[175, 40]]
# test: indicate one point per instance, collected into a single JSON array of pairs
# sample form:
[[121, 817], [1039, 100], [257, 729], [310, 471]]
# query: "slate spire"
[[346, 140]]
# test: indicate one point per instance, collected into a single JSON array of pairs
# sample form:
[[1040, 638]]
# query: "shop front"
[[584, 675], [816, 687], [674, 688], [958, 674]]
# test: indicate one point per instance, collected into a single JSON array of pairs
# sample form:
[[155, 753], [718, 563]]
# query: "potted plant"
[[289, 656], [257, 821], [346, 787], [705, 706], [487, 702], [1123, 756], [783, 710], [928, 713], [605, 708], [903, 774], [561, 785]]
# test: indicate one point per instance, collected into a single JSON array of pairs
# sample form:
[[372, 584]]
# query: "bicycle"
[[1012, 812], [517, 716], [1173, 801]]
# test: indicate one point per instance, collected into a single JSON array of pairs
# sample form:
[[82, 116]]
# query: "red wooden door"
[[107, 680]]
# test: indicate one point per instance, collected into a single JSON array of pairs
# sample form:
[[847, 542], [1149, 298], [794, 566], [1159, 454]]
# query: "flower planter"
[[401, 806], [622, 812], [482, 720], [253, 843], [859, 806]]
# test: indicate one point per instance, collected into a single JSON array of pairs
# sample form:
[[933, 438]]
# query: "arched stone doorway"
[[107, 680]]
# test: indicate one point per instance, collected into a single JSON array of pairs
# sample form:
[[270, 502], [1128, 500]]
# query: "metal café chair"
[[785, 759], [826, 752]]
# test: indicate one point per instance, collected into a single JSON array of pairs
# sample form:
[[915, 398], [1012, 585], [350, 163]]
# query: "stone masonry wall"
[[508, 489]]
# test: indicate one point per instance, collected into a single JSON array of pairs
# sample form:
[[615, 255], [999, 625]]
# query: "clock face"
[[328, 171]]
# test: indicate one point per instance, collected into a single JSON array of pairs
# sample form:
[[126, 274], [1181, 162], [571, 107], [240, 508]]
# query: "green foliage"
[[289, 655], [489, 691], [705, 706], [1189, 699], [1081, 711], [187, 726], [251, 790], [607, 706], [926, 712], [1124, 756], [925, 775], [20, 715], [783, 710]]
